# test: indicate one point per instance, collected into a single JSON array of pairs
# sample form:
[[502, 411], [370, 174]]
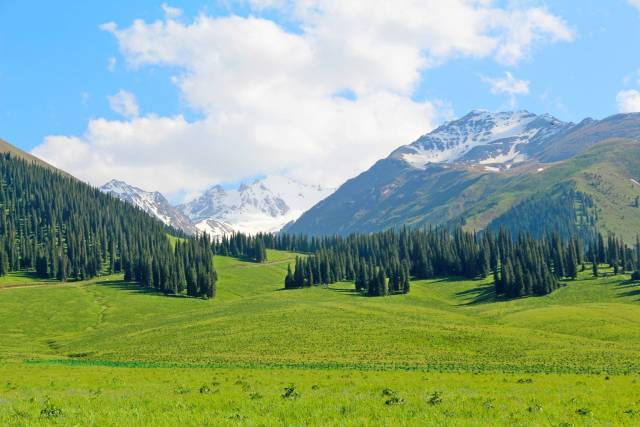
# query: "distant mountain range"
[[265, 205], [486, 169]]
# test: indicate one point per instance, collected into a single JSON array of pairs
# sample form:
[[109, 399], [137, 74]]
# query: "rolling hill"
[[106, 352]]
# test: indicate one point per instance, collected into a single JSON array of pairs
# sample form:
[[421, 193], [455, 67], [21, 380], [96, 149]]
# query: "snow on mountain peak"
[[153, 203], [482, 137], [265, 205]]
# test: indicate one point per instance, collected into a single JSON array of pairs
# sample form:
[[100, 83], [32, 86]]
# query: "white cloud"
[[508, 85], [523, 28], [628, 101], [171, 12], [125, 104], [635, 3], [111, 65], [268, 96]]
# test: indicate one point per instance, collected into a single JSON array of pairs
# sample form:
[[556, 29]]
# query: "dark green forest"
[[64, 229]]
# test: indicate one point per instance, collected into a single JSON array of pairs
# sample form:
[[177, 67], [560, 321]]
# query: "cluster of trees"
[[530, 267], [372, 280], [613, 252], [188, 268], [396, 255], [327, 267], [324, 268], [64, 229], [241, 245]]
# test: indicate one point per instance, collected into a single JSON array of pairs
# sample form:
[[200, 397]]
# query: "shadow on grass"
[[480, 295], [136, 288], [350, 292], [633, 287]]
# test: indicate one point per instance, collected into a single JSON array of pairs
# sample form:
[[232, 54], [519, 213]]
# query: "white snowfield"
[[500, 134]]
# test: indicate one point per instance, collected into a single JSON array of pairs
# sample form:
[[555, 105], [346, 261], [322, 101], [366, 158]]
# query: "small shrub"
[[535, 407], [436, 398], [290, 393], [236, 417], [393, 397], [315, 387], [394, 400], [583, 411], [182, 390], [205, 389], [525, 381], [50, 410], [255, 396], [388, 392]]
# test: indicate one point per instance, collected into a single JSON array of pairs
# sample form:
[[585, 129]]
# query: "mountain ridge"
[[397, 191]]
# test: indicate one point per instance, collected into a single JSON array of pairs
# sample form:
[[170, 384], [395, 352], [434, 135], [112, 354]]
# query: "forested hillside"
[[66, 230]]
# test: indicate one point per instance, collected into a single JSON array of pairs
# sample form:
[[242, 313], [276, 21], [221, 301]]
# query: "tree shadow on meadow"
[[483, 294], [135, 288], [631, 289], [346, 291]]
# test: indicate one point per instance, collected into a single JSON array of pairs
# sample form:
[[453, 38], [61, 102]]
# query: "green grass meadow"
[[107, 352]]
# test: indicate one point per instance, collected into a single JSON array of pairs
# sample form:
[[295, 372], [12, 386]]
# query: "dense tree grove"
[[382, 263], [240, 245], [64, 229]]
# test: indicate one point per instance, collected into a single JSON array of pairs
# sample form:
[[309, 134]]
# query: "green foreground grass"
[[106, 352]]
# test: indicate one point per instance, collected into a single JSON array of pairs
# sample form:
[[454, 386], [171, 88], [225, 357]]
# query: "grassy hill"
[[110, 353]]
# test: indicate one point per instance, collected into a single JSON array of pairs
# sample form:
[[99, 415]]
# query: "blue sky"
[[56, 77]]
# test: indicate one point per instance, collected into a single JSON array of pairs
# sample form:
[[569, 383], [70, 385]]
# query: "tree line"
[[63, 229], [520, 266]]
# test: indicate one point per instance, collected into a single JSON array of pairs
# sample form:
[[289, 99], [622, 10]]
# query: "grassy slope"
[[256, 338], [613, 162]]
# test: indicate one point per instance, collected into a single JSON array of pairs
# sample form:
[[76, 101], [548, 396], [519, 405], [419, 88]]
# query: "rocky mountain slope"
[[481, 137], [479, 168], [153, 203]]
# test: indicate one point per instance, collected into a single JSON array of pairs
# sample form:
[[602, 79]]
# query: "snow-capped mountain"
[[457, 174], [483, 137], [153, 203], [265, 205]]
